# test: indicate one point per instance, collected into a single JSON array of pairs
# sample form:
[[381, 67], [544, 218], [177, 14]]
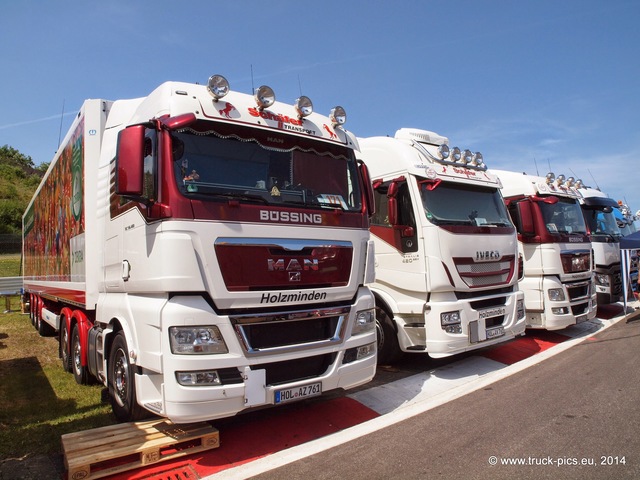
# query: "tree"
[[11, 156]]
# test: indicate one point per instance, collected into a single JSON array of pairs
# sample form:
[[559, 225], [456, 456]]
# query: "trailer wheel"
[[32, 309], [64, 346], [388, 347], [80, 373], [122, 389]]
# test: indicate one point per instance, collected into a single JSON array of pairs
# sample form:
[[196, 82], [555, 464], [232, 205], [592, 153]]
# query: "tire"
[[32, 309], [122, 389], [64, 346], [80, 373], [388, 348]]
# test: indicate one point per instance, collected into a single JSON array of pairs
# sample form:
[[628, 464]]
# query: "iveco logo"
[[486, 255]]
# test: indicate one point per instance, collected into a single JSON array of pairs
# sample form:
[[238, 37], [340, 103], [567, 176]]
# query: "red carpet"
[[248, 437], [535, 341]]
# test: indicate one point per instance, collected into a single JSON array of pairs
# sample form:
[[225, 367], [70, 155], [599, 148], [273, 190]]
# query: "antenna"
[[536, 164], [60, 131], [299, 85], [594, 180], [253, 88], [549, 162]]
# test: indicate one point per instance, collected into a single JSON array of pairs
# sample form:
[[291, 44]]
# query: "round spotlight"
[[443, 151], [478, 159], [265, 97], [550, 177], [456, 154], [571, 182], [579, 183], [338, 116], [560, 179], [218, 86], [467, 157], [304, 106]]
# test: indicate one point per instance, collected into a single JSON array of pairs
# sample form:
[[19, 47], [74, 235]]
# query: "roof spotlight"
[[443, 151], [560, 179], [304, 106], [478, 159], [265, 97], [456, 154], [218, 86], [338, 116], [550, 177], [467, 156]]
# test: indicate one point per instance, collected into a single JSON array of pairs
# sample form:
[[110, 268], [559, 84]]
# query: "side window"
[[381, 217], [405, 207], [150, 167]]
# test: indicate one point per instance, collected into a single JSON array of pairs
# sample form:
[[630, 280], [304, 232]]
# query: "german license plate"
[[298, 393], [495, 332]]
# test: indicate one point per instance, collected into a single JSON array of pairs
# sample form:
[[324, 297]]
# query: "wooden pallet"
[[108, 450]]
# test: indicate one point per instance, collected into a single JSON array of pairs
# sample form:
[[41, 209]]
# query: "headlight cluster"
[[556, 294], [560, 180], [464, 158], [365, 322], [196, 340], [451, 322], [218, 87], [602, 280]]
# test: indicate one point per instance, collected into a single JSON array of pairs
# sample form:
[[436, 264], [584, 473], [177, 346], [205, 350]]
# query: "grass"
[[39, 401], [10, 265]]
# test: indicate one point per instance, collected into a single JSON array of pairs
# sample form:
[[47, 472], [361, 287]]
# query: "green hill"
[[18, 180]]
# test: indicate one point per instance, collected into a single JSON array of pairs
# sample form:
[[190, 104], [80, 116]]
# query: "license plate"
[[495, 332], [298, 393]]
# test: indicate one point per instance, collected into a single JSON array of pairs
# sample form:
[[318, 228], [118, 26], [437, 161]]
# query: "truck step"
[[104, 451]]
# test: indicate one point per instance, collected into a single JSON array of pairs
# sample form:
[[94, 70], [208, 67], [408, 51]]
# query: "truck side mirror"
[[525, 213], [130, 161], [368, 188]]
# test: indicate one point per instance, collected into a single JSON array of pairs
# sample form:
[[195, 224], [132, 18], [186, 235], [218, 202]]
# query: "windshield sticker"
[[332, 199]]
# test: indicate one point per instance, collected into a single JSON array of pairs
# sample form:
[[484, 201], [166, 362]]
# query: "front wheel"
[[122, 389], [388, 347]]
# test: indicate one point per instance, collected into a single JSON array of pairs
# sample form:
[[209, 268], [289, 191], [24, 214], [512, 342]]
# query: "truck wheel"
[[388, 347], [122, 389], [64, 346], [80, 373]]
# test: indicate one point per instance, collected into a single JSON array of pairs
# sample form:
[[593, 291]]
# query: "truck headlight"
[[602, 280], [196, 340], [194, 379], [450, 318], [520, 309], [365, 322], [556, 294]]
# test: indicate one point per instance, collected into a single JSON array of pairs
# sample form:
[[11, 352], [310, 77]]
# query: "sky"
[[535, 85]]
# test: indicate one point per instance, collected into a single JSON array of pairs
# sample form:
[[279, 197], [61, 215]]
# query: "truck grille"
[[290, 331], [295, 370], [484, 274], [578, 290]]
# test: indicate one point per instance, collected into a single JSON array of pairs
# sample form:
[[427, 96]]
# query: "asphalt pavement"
[[573, 415]]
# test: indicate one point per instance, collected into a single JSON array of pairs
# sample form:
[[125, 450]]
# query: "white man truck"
[[605, 235], [447, 261], [201, 251], [558, 283]]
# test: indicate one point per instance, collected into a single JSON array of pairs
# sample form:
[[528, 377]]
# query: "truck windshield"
[[565, 216], [265, 167], [460, 204], [602, 225]]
